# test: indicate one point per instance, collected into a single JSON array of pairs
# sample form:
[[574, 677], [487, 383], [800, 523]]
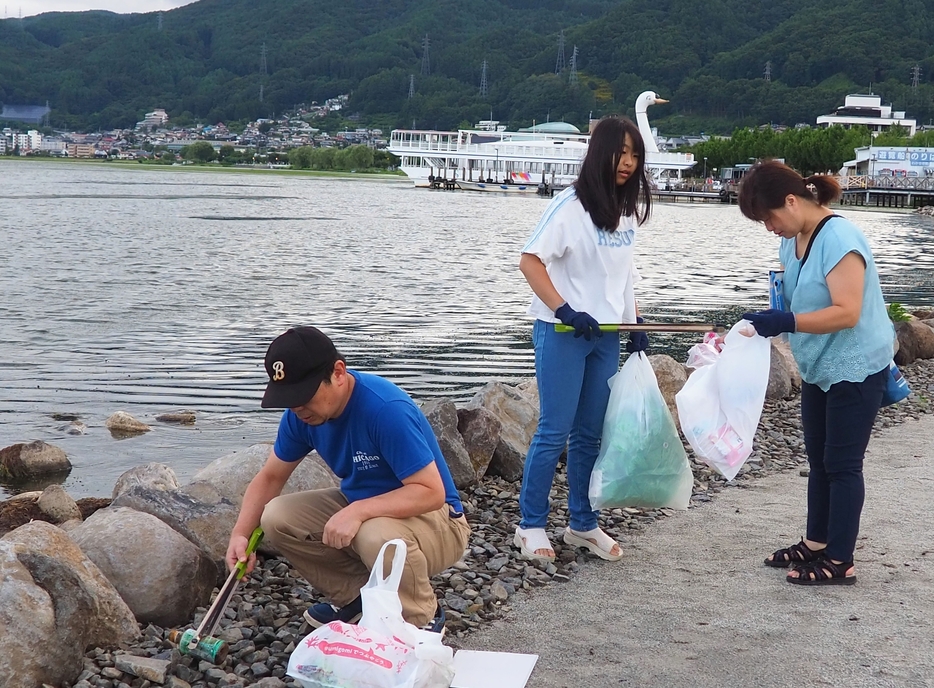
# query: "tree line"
[[723, 64]]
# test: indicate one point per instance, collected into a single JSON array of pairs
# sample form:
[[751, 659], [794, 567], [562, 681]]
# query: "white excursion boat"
[[489, 158]]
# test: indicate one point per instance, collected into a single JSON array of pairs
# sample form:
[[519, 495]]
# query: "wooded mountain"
[[205, 61]]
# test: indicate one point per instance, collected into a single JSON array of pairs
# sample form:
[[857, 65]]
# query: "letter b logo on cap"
[[278, 371]]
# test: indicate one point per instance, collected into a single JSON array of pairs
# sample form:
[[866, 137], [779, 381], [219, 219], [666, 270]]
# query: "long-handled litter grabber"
[[651, 327], [201, 643]]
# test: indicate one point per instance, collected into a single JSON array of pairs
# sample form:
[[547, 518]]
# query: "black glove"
[[771, 322], [638, 341], [583, 323]]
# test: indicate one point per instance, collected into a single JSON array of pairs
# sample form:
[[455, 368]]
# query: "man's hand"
[[341, 528], [236, 552]]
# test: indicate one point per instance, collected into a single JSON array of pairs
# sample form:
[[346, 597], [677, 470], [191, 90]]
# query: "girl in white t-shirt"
[[579, 264]]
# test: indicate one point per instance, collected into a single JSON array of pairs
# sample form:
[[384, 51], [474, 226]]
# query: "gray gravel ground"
[[692, 605]]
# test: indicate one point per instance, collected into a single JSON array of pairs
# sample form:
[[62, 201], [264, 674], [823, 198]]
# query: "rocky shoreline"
[[263, 622], [120, 578]]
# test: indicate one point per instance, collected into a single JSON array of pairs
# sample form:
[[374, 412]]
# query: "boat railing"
[[403, 147]]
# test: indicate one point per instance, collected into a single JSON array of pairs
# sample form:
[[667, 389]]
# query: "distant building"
[[3, 145], [53, 146], [153, 120], [81, 150], [891, 161], [30, 114], [28, 142], [868, 111]]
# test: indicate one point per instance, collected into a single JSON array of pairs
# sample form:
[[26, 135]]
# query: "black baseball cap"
[[296, 362]]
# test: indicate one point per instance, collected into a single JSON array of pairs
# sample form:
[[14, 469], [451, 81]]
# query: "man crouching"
[[394, 483]]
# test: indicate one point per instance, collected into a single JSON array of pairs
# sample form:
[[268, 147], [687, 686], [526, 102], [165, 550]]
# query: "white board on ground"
[[475, 669]]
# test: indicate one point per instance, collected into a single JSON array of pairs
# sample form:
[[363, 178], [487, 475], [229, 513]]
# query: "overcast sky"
[[26, 8]]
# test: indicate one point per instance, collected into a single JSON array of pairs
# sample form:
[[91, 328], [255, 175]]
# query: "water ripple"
[[145, 299]]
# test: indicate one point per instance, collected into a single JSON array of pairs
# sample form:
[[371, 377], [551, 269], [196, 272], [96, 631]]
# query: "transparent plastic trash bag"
[[382, 651], [642, 461], [720, 404]]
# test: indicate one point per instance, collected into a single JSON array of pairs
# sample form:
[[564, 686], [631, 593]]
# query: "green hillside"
[[98, 69]]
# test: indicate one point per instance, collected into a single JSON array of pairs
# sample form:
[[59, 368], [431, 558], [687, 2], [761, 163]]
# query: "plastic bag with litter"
[[720, 404], [642, 461]]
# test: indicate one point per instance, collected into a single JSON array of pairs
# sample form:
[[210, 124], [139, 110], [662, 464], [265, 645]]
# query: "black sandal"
[[823, 572], [799, 553]]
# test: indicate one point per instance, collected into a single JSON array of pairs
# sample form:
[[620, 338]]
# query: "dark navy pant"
[[837, 424]]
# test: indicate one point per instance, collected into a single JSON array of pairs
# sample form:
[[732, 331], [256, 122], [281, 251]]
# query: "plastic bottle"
[[210, 649]]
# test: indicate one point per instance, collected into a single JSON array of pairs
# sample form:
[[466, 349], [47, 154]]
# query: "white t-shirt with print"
[[592, 269]]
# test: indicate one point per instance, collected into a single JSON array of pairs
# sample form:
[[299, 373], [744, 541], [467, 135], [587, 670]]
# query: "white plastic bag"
[[704, 353], [382, 651], [720, 404], [642, 461]]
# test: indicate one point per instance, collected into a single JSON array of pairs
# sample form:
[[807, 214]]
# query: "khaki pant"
[[294, 523]]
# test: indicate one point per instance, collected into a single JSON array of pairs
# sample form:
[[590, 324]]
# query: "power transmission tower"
[[768, 71], [160, 21], [263, 69], [411, 86], [561, 63], [915, 77], [426, 61], [484, 85], [572, 77]]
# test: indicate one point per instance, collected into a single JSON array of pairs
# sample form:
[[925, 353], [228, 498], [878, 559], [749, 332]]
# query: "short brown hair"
[[768, 183]]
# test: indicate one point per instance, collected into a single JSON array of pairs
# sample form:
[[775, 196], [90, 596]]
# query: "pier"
[[887, 191]]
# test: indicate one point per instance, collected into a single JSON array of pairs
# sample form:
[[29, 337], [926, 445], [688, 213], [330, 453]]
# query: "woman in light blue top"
[[842, 341]]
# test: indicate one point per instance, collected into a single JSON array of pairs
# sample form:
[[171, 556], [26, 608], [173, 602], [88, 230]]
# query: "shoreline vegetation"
[[285, 170]]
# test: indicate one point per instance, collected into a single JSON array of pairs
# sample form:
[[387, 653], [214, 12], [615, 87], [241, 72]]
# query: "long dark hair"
[[768, 183], [596, 185]]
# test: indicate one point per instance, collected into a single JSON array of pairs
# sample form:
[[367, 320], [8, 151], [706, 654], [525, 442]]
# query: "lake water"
[[151, 290]]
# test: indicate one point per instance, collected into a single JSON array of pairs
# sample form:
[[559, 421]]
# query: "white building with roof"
[[868, 111]]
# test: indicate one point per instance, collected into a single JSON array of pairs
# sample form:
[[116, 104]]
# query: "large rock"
[[481, 431], [517, 409], [155, 475], [671, 377], [197, 511], [783, 348], [122, 424], [42, 634], [54, 604], [160, 575], [231, 474], [780, 386], [24, 461], [442, 416], [915, 340], [58, 504]]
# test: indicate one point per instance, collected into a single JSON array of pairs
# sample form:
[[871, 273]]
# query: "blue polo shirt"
[[852, 354], [380, 439]]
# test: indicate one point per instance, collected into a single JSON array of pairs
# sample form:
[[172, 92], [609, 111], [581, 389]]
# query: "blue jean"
[[572, 376], [837, 424]]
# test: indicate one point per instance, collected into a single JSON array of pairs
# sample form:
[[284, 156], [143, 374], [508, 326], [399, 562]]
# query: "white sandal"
[[595, 540], [530, 539]]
